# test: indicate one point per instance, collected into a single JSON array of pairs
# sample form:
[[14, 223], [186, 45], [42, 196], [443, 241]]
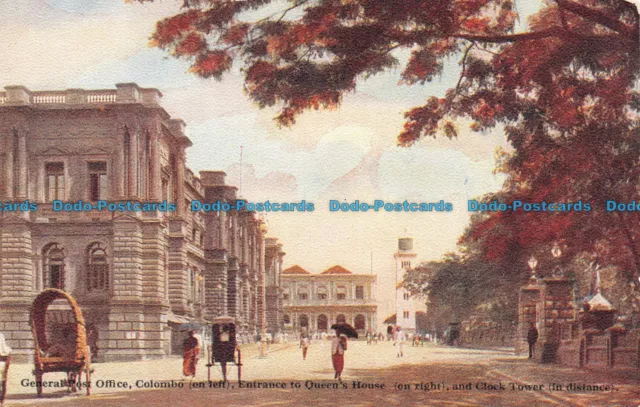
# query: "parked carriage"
[[224, 346], [60, 339]]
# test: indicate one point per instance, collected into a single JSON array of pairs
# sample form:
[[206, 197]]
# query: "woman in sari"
[[338, 346], [191, 350]]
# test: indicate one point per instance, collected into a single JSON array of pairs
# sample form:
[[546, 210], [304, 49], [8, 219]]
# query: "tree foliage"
[[310, 52], [457, 287], [563, 91]]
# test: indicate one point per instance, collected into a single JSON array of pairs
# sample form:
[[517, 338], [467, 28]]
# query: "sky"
[[346, 155]]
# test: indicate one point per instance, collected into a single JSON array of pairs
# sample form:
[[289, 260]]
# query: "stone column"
[[555, 308], [178, 197], [8, 193], [118, 178], [222, 232], [527, 313], [132, 165], [21, 193], [154, 167], [232, 291]]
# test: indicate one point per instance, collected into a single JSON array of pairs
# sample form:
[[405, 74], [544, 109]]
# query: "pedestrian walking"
[[399, 339], [191, 350], [338, 347], [390, 331], [304, 344], [532, 338], [369, 337]]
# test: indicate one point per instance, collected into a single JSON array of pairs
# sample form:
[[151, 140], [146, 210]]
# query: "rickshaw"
[[60, 339], [224, 346]]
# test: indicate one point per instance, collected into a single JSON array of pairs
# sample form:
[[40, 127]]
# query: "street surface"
[[373, 376]]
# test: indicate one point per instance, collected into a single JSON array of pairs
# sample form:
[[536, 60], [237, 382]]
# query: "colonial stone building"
[[274, 257], [316, 301], [137, 273]]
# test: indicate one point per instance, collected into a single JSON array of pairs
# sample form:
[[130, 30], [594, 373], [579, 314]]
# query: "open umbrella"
[[345, 329]]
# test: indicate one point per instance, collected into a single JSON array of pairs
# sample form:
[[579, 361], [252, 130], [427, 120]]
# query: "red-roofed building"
[[314, 302], [295, 270], [336, 270]]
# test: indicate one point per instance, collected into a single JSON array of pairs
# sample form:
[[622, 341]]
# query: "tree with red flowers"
[[563, 91]]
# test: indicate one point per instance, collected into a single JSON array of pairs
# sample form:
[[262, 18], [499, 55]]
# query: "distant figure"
[[92, 341], [369, 337], [398, 340], [304, 344], [416, 340], [191, 350], [338, 347], [532, 338], [389, 332]]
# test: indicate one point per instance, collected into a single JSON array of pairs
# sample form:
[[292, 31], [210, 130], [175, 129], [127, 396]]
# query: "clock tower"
[[405, 308]]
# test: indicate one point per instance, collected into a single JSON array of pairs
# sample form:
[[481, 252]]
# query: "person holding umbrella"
[[339, 346]]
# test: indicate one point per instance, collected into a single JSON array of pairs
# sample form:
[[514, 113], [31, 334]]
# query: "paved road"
[[374, 376]]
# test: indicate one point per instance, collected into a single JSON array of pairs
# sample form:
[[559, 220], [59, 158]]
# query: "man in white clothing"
[[399, 338]]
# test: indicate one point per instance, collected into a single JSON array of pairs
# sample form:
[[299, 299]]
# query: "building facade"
[[405, 305], [274, 257], [137, 273], [314, 302]]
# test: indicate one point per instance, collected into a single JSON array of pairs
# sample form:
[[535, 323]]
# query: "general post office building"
[[137, 275]]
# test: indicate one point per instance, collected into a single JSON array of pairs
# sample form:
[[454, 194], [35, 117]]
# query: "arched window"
[[97, 268], [323, 322], [341, 318], [304, 321], [359, 322], [286, 319], [53, 260]]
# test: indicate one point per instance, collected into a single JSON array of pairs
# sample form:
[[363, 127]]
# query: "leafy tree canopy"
[[310, 53], [564, 92]]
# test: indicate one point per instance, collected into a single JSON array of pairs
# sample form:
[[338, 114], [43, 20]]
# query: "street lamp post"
[[533, 263]]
